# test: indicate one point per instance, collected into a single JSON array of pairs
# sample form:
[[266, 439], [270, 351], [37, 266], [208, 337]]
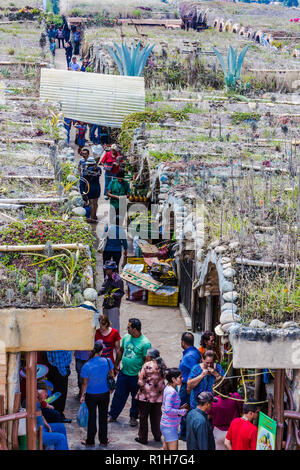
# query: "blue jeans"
[[56, 438], [125, 384], [93, 138], [108, 177], [184, 398]]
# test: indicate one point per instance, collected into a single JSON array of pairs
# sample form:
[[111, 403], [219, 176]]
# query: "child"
[[52, 46], [80, 135]]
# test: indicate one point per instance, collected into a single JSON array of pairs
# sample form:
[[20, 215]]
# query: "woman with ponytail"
[[95, 393], [150, 395]]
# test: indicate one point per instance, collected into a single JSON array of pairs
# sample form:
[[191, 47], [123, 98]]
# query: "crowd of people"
[[67, 37], [193, 402], [116, 187]]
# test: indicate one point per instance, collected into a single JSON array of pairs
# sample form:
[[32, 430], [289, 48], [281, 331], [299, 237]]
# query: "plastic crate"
[[134, 260], [163, 300]]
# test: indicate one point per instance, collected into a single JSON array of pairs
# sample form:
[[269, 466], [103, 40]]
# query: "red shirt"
[[224, 411], [108, 342], [242, 434], [108, 160]]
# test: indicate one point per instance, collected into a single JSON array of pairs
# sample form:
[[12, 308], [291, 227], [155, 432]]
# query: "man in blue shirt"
[[59, 371], [190, 357]]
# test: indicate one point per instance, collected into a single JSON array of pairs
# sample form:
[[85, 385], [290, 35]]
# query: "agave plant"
[[130, 60], [234, 65]]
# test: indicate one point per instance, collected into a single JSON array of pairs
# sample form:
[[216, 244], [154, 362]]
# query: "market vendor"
[[117, 189]]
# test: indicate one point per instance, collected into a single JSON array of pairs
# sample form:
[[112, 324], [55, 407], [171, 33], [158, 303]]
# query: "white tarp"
[[93, 97]]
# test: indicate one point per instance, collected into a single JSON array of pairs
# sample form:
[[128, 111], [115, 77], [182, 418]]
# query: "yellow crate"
[[132, 260], [163, 300]]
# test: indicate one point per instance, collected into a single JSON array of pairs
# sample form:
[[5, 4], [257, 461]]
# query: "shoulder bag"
[[111, 383]]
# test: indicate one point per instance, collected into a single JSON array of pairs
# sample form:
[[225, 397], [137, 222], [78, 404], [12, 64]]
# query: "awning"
[[92, 97]]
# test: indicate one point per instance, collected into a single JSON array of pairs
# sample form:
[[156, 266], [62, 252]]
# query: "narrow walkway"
[[163, 327]]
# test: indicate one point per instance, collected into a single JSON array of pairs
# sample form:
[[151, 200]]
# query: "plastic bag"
[[83, 416]]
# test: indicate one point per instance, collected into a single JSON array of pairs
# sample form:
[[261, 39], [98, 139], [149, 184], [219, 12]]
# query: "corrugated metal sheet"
[[93, 97]]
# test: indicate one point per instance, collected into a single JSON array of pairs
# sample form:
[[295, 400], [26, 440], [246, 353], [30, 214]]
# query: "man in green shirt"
[[117, 189], [133, 352]]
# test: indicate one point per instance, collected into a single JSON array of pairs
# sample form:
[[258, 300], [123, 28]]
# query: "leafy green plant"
[[234, 65], [130, 61]]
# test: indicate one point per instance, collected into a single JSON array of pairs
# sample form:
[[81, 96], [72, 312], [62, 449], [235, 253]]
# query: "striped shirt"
[[171, 414]]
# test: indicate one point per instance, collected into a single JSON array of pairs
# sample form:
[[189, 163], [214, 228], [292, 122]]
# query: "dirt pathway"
[[163, 326]]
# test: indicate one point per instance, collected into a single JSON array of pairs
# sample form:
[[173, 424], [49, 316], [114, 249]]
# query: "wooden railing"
[[15, 416]]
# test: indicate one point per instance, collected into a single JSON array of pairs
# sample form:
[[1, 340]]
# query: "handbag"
[[111, 383]]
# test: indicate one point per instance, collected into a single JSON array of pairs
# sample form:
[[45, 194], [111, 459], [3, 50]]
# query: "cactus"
[[234, 65], [130, 61]]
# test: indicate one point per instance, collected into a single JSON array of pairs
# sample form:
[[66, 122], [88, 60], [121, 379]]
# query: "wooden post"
[[258, 385], [31, 399], [279, 405], [208, 314], [15, 424]]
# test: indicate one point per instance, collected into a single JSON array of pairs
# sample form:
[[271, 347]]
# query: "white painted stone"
[[79, 211], [90, 294], [257, 324], [229, 273], [229, 306], [230, 296], [227, 286], [290, 324], [226, 266], [228, 317], [219, 330], [226, 327], [234, 245], [220, 249], [225, 260], [214, 244], [77, 201]]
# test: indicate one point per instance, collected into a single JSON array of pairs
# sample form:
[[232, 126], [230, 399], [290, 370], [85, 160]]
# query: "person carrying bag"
[[95, 393]]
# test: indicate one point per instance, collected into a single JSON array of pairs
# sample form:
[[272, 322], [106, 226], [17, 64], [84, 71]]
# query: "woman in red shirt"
[[111, 163], [110, 338]]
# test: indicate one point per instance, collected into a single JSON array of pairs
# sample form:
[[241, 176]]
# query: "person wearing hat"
[[115, 242], [91, 173], [113, 291], [199, 434], [111, 166], [85, 64], [48, 411]]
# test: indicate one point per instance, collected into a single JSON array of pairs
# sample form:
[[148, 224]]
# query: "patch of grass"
[[238, 117], [135, 120]]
